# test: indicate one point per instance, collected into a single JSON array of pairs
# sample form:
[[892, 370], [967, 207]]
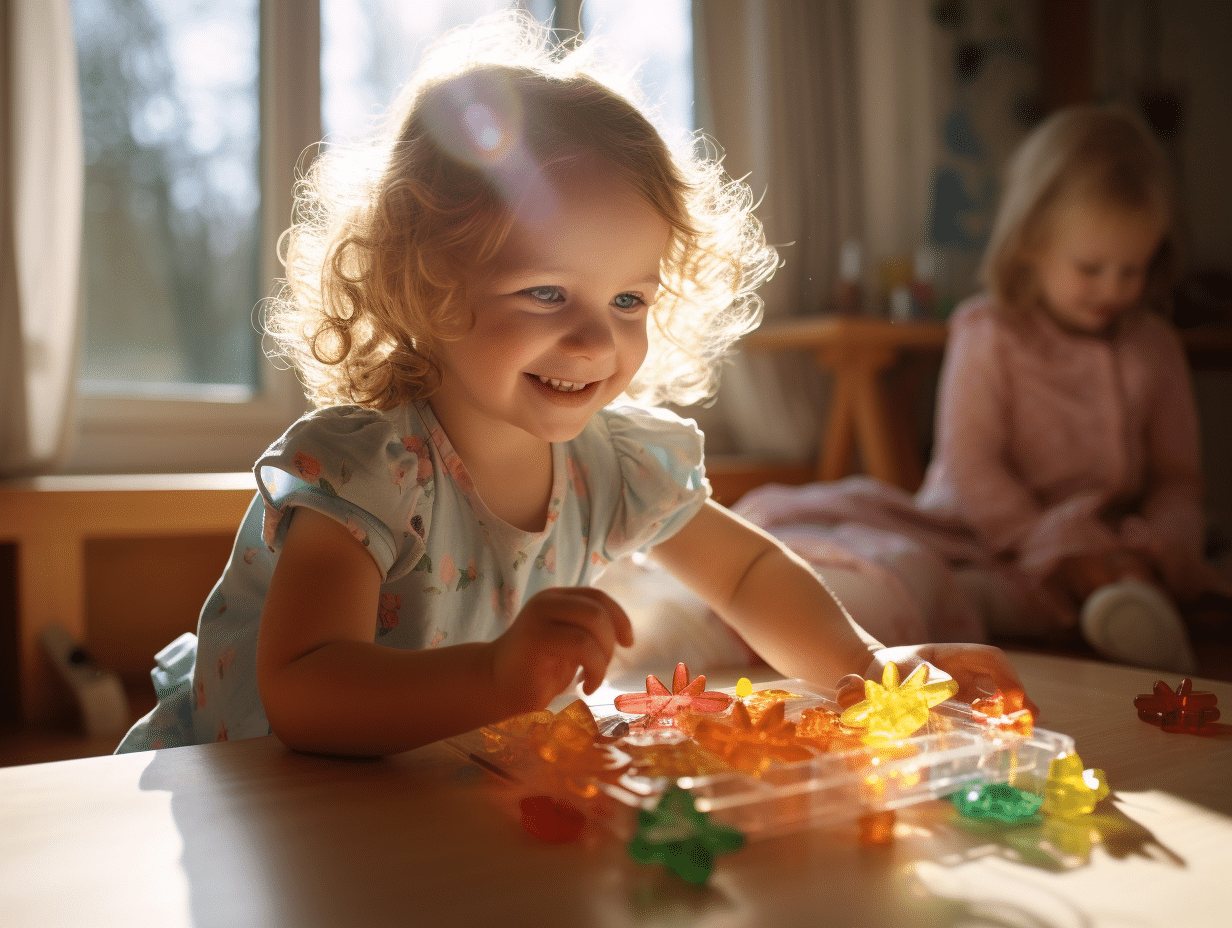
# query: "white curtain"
[[825, 107], [40, 242], [776, 89]]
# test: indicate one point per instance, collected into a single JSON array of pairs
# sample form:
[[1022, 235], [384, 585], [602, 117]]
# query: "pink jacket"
[[1050, 443]]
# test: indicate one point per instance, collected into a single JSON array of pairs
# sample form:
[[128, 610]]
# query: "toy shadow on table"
[[1060, 844]]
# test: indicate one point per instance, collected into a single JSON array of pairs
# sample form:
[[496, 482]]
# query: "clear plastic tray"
[[951, 752]]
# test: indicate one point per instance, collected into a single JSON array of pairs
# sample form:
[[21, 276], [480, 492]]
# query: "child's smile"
[[560, 319]]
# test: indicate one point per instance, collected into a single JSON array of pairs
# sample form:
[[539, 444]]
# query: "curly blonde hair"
[[1102, 156], [386, 236]]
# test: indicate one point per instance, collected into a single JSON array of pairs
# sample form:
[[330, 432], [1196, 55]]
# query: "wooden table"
[[248, 833], [859, 350]]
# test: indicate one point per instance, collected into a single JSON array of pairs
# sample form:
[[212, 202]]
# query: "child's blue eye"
[[545, 294], [627, 301]]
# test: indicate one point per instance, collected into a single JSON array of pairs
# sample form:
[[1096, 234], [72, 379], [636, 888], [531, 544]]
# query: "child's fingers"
[[850, 690], [586, 624], [592, 610], [576, 647], [968, 662], [622, 627]]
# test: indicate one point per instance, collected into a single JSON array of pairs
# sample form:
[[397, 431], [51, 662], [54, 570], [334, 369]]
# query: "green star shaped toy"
[[684, 840]]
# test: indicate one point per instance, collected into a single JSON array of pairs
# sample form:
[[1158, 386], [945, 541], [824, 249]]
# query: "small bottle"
[[901, 304], [923, 292], [849, 297]]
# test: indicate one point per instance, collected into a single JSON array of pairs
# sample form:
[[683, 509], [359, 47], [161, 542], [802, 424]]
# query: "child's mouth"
[[560, 386]]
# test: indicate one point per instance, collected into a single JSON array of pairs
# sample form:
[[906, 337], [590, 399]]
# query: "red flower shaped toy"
[[1179, 711], [659, 703]]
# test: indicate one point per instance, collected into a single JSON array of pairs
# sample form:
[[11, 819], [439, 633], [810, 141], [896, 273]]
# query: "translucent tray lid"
[[953, 750]]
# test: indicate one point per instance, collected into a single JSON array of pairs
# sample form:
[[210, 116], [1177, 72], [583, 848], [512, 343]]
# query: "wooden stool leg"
[[837, 440], [877, 442]]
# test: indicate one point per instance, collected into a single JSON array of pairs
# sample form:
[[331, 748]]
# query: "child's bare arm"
[[327, 687], [768, 595], [784, 612]]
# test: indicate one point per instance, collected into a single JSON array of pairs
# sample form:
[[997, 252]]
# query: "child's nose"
[[589, 333], [1120, 289], [1110, 288]]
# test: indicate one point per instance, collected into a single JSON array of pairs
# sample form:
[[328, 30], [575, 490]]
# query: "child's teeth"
[[563, 385]]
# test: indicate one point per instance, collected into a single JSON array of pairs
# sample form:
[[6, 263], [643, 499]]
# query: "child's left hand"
[[979, 669]]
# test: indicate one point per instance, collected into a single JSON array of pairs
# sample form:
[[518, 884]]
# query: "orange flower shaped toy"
[[752, 746], [518, 743], [669, 753], [891, 711], [575, 761], [757, 703], [821, 728], [659, 705], [997, 722], [1070, 790]]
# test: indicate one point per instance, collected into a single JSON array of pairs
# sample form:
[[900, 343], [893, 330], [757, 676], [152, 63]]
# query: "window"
[[369, 49], [169, 95], [195, 117]]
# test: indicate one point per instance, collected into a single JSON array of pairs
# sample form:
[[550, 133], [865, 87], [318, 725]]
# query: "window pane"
[[170, 239], [369, 49], [656, 38]]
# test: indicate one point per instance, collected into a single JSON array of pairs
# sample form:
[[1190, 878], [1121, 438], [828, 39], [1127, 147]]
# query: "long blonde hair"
[[378, 259], [1101, 156]]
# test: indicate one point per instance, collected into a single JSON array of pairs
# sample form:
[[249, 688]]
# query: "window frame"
[[224, 429]]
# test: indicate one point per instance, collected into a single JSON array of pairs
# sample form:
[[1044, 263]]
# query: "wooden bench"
[[56, 525], [50, 520]]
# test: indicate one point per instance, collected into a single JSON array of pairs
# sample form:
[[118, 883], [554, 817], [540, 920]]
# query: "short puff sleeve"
[[659, 458], [368, 470]]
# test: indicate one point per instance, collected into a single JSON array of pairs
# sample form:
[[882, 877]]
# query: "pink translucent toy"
[[659, 703]]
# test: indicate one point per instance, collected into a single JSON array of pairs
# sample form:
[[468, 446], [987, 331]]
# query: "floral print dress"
[[452, 572]]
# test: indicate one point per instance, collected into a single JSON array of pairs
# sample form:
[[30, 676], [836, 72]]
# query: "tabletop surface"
[[249, 833]]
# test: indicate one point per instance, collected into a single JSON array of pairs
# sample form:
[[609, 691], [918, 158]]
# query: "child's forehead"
[[587, 222], [1081, 219]]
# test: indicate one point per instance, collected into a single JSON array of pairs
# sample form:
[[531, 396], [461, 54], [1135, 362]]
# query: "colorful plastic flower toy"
[[659, 703], [991, 714], [997, 802], [757, 703], [752, 746], [892, 711], [684, 840], [1179, 711], [1070, 790], [575, 761], [821, 728], [669, 753]]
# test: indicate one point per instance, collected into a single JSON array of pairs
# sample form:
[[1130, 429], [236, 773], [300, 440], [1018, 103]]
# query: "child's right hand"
[[557, 631]]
